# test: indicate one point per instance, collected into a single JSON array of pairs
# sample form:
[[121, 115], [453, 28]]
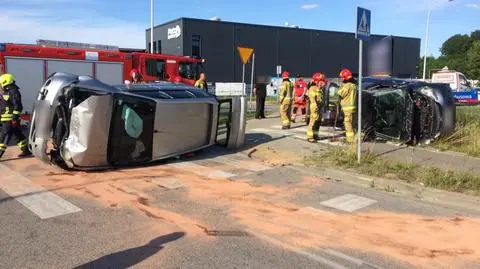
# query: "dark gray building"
[[297, 50]]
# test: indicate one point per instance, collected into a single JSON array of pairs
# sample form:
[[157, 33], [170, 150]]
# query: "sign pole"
[[360, 73], [243, 81], [362, 33], [253, 72]]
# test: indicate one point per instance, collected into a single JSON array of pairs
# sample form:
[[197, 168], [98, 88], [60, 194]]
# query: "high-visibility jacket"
[[10, 103], [286, 91], [348, 93], [201, 85], [315, 98]]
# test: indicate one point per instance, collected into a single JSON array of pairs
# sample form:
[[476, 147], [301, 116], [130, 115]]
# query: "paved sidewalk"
[[418, 155]]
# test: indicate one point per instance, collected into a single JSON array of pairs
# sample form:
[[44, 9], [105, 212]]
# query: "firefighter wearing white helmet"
[[10, 109]]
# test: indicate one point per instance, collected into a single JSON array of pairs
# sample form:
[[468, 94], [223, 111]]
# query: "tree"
[[456, 45], [473, 58], [475, 35]]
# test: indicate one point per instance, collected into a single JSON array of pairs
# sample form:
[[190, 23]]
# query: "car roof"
[[371, 82]]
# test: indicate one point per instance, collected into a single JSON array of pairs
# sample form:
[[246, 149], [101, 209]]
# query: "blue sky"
[[123, 23]]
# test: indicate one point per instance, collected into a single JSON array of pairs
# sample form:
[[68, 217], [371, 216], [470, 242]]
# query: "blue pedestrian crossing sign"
[[363, 24]]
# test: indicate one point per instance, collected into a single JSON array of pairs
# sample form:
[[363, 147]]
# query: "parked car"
[[81, 123], [400, 109]]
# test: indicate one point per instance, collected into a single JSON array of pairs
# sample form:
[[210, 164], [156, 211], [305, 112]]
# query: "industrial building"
[[300, 51]]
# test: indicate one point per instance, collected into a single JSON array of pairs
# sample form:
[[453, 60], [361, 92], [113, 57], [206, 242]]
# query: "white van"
[[456, 80]]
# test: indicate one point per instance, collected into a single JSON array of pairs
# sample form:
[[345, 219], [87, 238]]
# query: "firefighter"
[[286, 93], [347, 94], [10, 109], [300, 102], [315, 93], [177, 79], [201, 83], [136, 76]]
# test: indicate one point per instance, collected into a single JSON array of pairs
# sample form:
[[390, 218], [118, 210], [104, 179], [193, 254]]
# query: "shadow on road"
[[133, 256]]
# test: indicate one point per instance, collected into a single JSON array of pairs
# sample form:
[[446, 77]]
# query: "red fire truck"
[[32, 64]]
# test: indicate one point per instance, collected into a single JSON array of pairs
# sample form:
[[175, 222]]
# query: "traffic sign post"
[[245, 54], [362, 33], [251, 84]]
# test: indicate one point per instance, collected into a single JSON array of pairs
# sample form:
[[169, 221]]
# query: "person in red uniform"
[[300, 100]]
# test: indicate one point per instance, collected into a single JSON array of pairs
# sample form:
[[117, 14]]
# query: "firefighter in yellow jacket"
[[201, 83], [10, 109], [315, 93], [286, 93], [347, 94]]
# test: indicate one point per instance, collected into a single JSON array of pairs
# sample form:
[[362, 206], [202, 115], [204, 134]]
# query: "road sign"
[[245, 54], [362, 31], [279, 70]]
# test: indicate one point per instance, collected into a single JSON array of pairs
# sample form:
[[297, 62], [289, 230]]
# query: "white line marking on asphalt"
[[170, 183], [343, 256], [37, 199], [348, 202], [310, 255], [237, 163], [201, 170]]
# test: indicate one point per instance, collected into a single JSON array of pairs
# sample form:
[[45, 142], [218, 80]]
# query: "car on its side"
[[81, 123], [401, 109]]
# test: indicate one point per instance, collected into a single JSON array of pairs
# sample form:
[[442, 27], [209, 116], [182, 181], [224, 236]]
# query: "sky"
[[123, 23]]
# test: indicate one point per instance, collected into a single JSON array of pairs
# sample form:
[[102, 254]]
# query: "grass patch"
[[466, 138], [380, 167]]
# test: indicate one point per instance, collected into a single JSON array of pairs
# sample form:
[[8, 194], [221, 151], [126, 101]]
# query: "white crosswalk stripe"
[[37, 199], [348, 202]]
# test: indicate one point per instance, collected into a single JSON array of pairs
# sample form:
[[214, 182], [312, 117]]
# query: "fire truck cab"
[[31, 65]]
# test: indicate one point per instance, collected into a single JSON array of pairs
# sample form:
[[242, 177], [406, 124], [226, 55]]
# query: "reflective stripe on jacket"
[[11, 103]]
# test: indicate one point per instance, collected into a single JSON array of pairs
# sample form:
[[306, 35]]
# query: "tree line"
[[460, 53]]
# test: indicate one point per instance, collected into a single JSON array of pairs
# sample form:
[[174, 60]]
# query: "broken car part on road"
[[82, 123]]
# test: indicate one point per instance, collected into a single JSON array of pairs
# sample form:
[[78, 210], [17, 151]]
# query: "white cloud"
[[309, 6], [28, 25], [476, 6]]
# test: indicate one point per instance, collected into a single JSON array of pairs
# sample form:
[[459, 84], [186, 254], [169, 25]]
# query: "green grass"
[[371, 165], [466, 138]]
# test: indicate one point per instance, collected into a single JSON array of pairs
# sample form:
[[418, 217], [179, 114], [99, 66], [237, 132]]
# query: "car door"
[[131, 130]]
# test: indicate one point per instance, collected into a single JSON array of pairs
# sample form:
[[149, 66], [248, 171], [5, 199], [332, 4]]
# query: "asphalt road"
[[220, 209]]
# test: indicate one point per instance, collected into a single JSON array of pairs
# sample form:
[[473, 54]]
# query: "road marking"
[[201, 170], [310, 255], [252, 166], [37, 199], [343, 256], [169, 183], [348, 202]]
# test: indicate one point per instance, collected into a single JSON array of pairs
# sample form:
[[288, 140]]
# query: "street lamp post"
[[151, 26], [426, 42]]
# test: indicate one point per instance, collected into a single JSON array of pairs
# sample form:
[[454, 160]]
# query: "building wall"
[[172, 46], [297, 50]]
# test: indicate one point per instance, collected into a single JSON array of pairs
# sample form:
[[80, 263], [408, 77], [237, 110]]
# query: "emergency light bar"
[[65, 44]]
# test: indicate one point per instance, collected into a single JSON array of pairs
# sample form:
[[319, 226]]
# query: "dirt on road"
[[428, 242]]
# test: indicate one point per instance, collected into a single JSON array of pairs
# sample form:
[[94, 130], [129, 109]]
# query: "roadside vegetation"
[[372, 165], [466, 138]]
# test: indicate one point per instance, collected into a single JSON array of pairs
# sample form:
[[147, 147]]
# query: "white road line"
[[201, 170], [307, 254], [37, 199], [343, 256], [170, 183], [237, 163], [348, 202]]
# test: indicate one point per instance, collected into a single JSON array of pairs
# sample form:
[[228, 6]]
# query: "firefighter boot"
[[25, 153]]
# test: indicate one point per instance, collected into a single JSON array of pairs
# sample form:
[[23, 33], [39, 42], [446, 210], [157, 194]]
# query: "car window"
[[188, 70], [131, 130], [179, 94], [200, 93], [390, 109]]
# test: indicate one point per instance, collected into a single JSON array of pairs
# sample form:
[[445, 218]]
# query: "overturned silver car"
[[82, 123]]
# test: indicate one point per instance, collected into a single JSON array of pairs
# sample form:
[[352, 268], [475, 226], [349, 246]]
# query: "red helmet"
[[177, 79], [317, 77], [285, 75], [133, 72], [346, 74]]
